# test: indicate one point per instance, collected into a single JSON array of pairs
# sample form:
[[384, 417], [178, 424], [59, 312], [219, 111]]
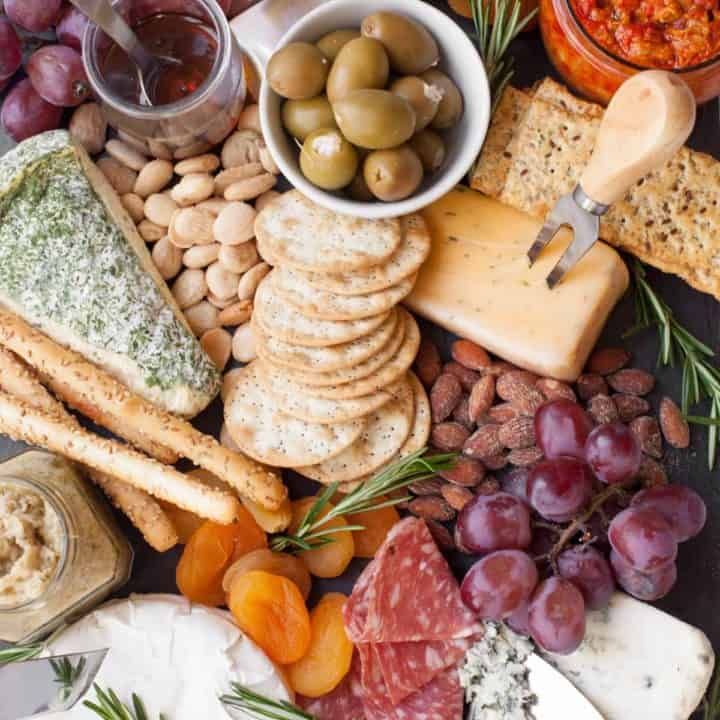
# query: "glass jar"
[[593, 71], [93, 557], [189, 126]]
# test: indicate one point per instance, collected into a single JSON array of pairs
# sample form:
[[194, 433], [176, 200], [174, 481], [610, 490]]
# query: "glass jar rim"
[[623, 61], [222, 61], [62, 514]]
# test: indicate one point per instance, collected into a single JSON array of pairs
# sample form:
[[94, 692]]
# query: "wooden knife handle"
[[647, 121]]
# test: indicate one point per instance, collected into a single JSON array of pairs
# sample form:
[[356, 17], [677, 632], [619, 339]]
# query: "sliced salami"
[[357, 606], [345, 701]]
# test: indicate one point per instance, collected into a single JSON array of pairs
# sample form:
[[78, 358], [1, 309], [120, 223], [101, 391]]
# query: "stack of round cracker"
[[331, 394]]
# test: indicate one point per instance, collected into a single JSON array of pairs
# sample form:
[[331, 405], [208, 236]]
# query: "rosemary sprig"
[[312, 532], [260, 707], [110, 707], [67, 674], [497, 24], [20, 653], [700, 378]]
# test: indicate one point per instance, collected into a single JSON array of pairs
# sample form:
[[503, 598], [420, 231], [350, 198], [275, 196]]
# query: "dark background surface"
[[696, 596]]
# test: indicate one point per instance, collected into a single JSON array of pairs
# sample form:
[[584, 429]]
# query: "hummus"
[[31, 544]]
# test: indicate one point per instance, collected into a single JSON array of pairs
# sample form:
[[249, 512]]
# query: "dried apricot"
[[329, 656], [377, 524], [209, 552], [273, 562], [331, 560], [271, 610]]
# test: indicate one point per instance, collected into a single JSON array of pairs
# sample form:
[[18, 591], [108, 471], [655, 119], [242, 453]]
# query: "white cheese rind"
[[177, 657], [639, 663]]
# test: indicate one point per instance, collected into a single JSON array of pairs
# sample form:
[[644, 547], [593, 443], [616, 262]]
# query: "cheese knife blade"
[[54, 684]]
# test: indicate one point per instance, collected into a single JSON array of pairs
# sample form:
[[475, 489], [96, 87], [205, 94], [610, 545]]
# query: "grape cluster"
[[587, 471]]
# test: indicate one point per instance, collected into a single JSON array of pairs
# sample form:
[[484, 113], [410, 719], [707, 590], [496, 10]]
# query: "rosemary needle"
[[262, 708], [110, 707]]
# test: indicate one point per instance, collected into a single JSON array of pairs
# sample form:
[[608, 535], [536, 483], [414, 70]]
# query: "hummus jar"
[[61, 552], [598, 44]]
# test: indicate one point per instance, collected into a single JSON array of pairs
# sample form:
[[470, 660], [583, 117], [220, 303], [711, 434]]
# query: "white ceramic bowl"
[[458, 58]]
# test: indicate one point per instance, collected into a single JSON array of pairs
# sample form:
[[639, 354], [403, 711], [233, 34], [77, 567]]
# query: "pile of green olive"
[[366, 106]]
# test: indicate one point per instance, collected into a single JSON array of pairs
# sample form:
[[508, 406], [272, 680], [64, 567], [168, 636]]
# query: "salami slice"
[[357, 606], [344, 702]]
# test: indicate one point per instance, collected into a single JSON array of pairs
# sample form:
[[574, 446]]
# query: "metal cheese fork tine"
[[647, 121]]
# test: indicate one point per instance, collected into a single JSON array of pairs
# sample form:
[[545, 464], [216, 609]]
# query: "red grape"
[[58, 75], [682, 507], [558, 488], [561, 428], [10, 49], [71, 27], [519, 620], [643, 538], [25, 113], [499, 584], [557, 616], [643, 586], [588, 569], [493, 522], [33, 15], [613, 453]]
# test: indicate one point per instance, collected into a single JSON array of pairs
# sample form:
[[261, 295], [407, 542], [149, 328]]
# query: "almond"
[[503, 412], [499, 367], [428, 365], [591, 384], [675, 428], [467, 377], [651, 473], [461, 413], [602, 409], [518, 433], [489, 486], [481, 397], [555, 389], [449, 436], [632, 381], [525, 456], [647, 431], [606, 361], [431, 507], [445, 394], [470, 355], [483, 443], [467, 472], [441, 535], [496, 462], [455, 496], [630, 406], [518, 387], [430, 486]]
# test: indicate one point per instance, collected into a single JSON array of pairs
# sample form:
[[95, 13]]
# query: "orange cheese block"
[[477, 283]]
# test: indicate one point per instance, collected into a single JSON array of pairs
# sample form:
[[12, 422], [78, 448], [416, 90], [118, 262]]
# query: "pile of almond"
[[484, 408]]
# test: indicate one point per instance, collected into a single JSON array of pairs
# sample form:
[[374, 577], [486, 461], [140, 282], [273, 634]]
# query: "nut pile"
[[484, 408]]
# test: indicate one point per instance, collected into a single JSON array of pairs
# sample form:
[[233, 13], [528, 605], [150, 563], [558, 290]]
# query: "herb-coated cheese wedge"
[[73, 265]]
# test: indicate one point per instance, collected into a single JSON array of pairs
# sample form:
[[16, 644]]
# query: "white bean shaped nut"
[[167, 258], [202, 317], [238, 258], [227, 441], [226, 178], [200, 256], [230, 379], [241, 148], [160, 208], [235, 224], [252, 187], [159, 150], [189, 288], [267, 160], [251, 279], [150, 232], [125, 154], [135, 142], [134, 205], [236, 314], [201, 164], [120, 177], [154, 178], [191, 150], [265, 199], [194, 226], [221, 282], [177, 240], [213, 205], [193, 189], [243, 344], [250, 118], [220, 303], [217, 343]]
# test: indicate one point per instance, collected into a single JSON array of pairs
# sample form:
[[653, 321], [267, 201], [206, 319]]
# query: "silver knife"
[[647, 121], [54, 684]]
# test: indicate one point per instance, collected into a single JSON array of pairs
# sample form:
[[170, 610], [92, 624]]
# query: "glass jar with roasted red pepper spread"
[[597, 44]]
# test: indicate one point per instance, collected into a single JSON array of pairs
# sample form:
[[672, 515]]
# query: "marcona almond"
[[674, 426], [176, 239], [265, 199], [591, 384], [517, 433], [167, 258], [187, 151], [150, 232], [125, 154], [555, 389], [226, 439], [236, 314], [267, 160], [193, 189], [449, 436], [159, 150], [602, 409], [89, 127], [120, 177], [484, 443], [134, 205], [202, 317], [213, 205], [632, 381], [252, 187], [428, 364], [189, 288], [455, 496], [243, 344], [221, 282], [470, 354], [219, 303], [445, 394], [431, 507], [217, 343], [238, 258], [140, 145], [467, 377], [235, 224], [242, 172], [250, 280], [194, 226], [481, 397], [201, 164], [467, 472], [647, 431], [200, 256], [241, 148], [230, 379], [160, 209], [153, 178], [250, 119], [606, 361]]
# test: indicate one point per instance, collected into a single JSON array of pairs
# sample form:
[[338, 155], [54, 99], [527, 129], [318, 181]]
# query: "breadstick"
[[77, 381], [23, 422]]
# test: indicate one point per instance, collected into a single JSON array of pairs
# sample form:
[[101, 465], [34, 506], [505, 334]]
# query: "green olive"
[[362, 63], [410, 47], [328, 160], [451, 105], [423, 98], [430, 148], [358, 189], [331, 44], [393, 174], [298, 71], [375, 119], [301, 117]]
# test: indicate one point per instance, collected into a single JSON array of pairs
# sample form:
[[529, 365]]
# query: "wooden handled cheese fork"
[[647, 121]]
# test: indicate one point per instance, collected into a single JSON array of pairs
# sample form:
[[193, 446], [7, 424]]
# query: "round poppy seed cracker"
[[299, 233], [257, 424]]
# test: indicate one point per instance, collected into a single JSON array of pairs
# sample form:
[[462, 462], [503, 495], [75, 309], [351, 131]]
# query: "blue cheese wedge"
[[73, 265]]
